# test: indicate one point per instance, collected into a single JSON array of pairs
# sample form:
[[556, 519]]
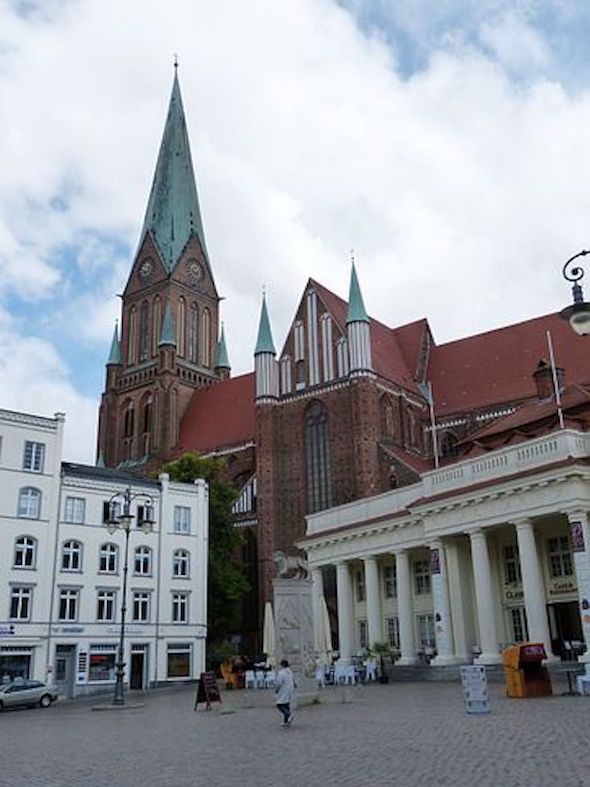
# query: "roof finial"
[[352, 256], [175, 63], [264, 290]]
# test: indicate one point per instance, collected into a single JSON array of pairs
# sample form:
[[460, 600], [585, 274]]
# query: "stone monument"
[[293, 613]]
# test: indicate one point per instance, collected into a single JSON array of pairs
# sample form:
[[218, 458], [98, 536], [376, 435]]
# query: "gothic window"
[[193, 334], [319, 491], [342, 357], [132, 337], [206, 337], [286, 375], [312, 337], [298, 340], [412, 428], [181, 327], [327, 354], [144, 335], [128, 414], [387, 429], [448, 445], [146, 422], [156, 324], [300, 375]]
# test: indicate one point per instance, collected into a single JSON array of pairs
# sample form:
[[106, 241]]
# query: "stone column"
[[344, 593], [443, 627], [456, 585], [404, 609], [373, 601], [532, 584], [488, 635], [579, 535], [317, 592]]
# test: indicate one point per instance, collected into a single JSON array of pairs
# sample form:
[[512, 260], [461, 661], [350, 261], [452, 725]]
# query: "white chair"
[[249, 679], [259, 679], [339, 673], [320, 675], [269, 680], [370, 670], [350, 675]]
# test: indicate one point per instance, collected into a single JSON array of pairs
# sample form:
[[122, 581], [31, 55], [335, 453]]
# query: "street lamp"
[[578, 314], [123, 521]]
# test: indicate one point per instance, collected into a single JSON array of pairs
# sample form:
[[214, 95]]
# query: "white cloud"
[[459, 190]]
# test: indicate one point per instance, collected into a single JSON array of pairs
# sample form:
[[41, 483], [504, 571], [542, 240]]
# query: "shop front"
[[16, 661]]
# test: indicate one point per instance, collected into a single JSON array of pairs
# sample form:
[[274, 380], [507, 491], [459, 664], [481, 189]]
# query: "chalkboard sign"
[[208, 690]]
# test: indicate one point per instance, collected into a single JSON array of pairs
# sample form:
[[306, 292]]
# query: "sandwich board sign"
[[474, 682]]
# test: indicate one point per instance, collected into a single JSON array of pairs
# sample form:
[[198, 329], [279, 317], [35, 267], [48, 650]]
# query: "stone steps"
[[495, 672]]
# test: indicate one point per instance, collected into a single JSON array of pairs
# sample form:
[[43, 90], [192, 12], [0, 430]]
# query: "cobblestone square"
[[407, 734]]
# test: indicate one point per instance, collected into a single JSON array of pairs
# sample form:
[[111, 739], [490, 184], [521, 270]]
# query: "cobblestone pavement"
[[407, 734]]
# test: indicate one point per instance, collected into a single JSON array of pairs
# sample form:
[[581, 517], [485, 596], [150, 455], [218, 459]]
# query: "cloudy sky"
[[446, 141]]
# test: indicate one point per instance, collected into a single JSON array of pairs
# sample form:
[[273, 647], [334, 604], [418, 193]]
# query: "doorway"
[[137, 674], [64, 669]]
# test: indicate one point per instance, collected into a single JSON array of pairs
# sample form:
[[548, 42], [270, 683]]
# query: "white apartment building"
[[480, 554], [61, 570]]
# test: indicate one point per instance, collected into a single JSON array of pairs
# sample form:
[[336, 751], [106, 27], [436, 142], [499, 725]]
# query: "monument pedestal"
[[294, 623]]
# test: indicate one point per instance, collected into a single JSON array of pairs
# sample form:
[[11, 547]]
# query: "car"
[[27, 692]]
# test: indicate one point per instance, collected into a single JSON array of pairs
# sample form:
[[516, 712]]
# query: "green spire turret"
[[264, 342], [221, 357], [173, 214], [115, 353], [356, 306]]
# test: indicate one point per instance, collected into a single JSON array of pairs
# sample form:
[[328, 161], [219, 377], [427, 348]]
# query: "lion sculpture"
[[290, 567]]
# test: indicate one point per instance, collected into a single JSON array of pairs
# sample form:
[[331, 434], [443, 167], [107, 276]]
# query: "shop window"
[[422, 577], [71, 556], [25, 551], [389, 581], [75, 510], [20, 603], [512, 575], [34, 457], [179, 660], [15, 662], [29, 503], [143, 561], [560, 557], [102, 664], [180, 563]]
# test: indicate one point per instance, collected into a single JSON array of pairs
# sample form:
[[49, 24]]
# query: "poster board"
[[208, 690], [474, 682]]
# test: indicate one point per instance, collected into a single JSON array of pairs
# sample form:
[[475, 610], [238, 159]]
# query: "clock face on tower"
[[195, 271], [146, 269]]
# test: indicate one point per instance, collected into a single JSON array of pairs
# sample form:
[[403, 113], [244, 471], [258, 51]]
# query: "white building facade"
[[61, 569], [478, 555]]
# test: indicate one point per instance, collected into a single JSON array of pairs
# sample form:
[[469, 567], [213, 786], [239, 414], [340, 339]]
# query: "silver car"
[[27, 692]]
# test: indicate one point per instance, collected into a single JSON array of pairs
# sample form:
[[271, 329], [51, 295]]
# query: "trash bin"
[[525, 674]]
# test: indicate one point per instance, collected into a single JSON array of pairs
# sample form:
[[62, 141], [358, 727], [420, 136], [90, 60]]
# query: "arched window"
[[132, 337], [319, 486], [181, 328], [180, 563], [156, 324], [128, 428], [448, 445], [25, 552], [193, 334], [107, 558], [29, 503], [206, 338], [71, 556], [327, 352], [143, 561], [342, 356], [386, 410], [285, 367], [146, 422], [144, 335]]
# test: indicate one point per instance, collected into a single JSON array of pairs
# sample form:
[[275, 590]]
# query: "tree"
[[227, 583]]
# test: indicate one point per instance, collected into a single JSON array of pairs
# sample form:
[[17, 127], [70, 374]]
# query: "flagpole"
[[555, 383]]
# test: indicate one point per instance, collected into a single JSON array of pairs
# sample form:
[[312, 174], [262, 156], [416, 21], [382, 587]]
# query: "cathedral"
[[347, 409]]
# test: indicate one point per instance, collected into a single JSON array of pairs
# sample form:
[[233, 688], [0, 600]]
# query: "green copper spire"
[[356, 307], [264, 343], [115, 353], [168, 335], [221, 359], [173, 214]]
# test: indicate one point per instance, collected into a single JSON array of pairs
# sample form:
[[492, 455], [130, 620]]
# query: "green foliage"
[[227, 583]]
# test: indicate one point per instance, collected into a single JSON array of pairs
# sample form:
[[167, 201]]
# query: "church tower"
[[169, 316]]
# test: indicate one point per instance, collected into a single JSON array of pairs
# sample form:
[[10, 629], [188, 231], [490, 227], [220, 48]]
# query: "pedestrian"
[[285, 692]]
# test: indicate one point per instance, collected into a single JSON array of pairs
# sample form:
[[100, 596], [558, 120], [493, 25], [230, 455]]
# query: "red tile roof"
[[219, 416], [497, 367]]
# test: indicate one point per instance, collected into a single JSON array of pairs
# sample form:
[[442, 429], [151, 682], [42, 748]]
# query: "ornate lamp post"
[[123, 521], [578, 314]]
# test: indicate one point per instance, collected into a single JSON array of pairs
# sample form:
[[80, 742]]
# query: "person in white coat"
[[285, 692]]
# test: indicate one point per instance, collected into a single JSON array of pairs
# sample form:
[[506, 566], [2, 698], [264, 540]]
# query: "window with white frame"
[[75, 509], [426, 631], [20, 603], [180, 563], [29, 503], [107, 558], [68, 604], [363, 634], [25, 551], [141, 606], [71, 556], [422, 577], [105, 606], [389, 581], [560, 556], [145, 513], [34, 457], [111, 510], [512, 574], [518, 624], [180, 607], [393, 633], [142, 564], [179, 660], [182, 519], [359, 581]]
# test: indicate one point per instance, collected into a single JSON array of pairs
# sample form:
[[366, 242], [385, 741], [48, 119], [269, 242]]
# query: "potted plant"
[[381, 649]]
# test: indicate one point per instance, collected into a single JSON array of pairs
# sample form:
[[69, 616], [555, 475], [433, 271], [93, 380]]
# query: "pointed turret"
[[222, 365], [265, 362], [358, 328], [115, 353], [173, 213], [168, 334]]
